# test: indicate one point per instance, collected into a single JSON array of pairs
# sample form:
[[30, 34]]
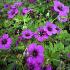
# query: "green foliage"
[[57, 46]]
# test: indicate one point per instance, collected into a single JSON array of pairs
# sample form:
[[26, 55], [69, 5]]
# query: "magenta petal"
[[1, 46], [9, 41], [11, 16], [0, 40], [41, 48], [41, 39], [40, 60], [31, 60], [27, 34], [5, 36], [66, 9], [49, 67], [7, 46], [31, 47]]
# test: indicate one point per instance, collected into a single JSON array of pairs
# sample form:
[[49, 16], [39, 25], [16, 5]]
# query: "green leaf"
[[63, 35], [58, 47]]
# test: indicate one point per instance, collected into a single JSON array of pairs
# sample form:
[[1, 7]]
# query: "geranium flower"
[[50, 28], [26, 10], [27, 34], [60, 8], [6, 6], [5, 42], [12, 12], [36, 54], [41, 34]]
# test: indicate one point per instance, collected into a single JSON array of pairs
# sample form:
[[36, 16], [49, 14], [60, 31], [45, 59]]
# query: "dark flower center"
[[27, 34], [49, 29], [4, 41], [23, 13], [60, 8], [35, 53], [41, 33], [6, 5], [13, 12]]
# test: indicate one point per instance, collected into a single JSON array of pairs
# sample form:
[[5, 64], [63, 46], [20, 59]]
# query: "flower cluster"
[[35, 52], [62, 10], [42, 33], [12, 12], [36, 56], [14, 9]]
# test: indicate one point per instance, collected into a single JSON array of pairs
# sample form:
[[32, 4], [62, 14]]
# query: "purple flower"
[[50, 28], [26, 10], [27, 34], [5, 42], [60, 8], [36, 54], [62, 17], [12, 12], [32, 1], [18, 4], [41, 34], [7, 6]]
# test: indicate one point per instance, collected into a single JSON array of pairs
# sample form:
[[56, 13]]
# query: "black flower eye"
[[41, 33], [4, 41], [60, 8], [35, 53]]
